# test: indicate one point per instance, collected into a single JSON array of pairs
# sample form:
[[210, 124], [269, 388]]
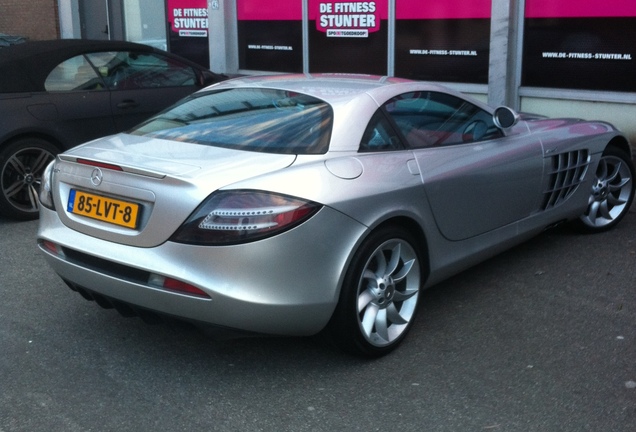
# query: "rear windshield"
[[264, 120]]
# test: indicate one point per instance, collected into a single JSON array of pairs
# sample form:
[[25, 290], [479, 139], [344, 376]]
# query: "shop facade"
[[571, 57]]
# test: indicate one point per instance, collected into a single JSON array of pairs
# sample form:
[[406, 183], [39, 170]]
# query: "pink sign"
[[443, 9], [348, 18], [188, 18], [580, 8], [273, 10]]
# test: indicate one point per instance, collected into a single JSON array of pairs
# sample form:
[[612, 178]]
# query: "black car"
[[57, 94]]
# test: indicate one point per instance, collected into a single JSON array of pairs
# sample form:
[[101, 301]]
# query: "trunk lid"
[[165, 181]]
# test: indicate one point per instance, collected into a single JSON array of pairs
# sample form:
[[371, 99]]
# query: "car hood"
[[168, 179]]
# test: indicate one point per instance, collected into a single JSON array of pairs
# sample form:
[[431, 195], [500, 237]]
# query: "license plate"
[[118, 212]]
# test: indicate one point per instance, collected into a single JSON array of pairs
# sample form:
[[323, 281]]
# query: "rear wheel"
[[21, 166], [611, 194], [380, 295]]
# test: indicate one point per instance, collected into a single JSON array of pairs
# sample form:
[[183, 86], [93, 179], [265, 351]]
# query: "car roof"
[[38, 51], [315, 84], [336, 87], [24, 67]]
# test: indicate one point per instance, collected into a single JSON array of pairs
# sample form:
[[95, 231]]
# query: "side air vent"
[[567, 172]]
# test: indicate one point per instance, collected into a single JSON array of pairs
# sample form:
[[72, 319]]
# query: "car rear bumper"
[[284, 285]]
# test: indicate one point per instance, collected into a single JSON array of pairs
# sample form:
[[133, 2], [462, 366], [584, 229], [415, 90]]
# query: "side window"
[[73, 74], [379, 135], [132, 70], [430, 119]]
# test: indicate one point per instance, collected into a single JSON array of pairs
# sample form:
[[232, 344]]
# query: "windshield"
[[265, 120]]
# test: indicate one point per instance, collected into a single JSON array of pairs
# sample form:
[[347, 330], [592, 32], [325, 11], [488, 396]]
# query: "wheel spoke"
[[13, 189], [404, 271], [381, 262], [382, 325], [40, 162], [611, 177], [604, 210], [401, 296], [368, 320], [593, 210], [395, 259], [364, 299], [33, 197], [394, 315], [371, 276], [17, 165], [620, 185], [614, 201]]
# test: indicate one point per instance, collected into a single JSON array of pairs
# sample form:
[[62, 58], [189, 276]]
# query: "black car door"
[[142, 84], [76, 102]]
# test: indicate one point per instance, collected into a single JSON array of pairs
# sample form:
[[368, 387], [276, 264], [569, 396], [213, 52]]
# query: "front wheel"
[[21, 166], [380, 295], [611, 194]]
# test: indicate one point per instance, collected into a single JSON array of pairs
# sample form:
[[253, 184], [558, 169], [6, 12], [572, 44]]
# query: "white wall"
[[621, 115]]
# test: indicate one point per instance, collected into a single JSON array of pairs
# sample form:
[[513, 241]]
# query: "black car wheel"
[[611, 194], [21, 166], [380, 295]]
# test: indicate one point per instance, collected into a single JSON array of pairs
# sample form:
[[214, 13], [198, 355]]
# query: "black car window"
[[252, 119], [379, 135], [75, 73], [429, 119], [132, 70]]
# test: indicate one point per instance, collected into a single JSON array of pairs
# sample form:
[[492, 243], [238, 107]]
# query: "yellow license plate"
[[118, 212]]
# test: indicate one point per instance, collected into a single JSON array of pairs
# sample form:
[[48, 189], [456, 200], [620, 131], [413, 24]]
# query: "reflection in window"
[[131, 70], [270, 121], [73, 74], [379, 135], [429, 119]]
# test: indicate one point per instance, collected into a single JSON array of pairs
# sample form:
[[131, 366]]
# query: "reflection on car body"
[[293, 205]]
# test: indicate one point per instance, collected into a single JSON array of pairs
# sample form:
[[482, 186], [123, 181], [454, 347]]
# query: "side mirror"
[[505, 117]]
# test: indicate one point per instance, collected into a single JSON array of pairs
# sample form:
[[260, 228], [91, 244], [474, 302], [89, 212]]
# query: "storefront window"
[[270, 35], [580, 44], [443, 40], [188, 30], [144, 22], [349, 37]]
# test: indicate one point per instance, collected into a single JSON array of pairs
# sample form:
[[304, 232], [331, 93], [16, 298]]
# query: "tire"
[[612, 192], [379, 296], [22, 163]]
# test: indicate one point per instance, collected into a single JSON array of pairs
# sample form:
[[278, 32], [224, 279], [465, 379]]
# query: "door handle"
[[128, 103]]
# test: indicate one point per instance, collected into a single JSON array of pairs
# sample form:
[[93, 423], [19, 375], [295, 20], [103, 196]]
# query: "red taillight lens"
[[51, 247], [99, 164], [176, 285], [231, 217]]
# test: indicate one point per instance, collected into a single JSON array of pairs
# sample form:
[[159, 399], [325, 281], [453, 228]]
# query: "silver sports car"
[[294, 205]]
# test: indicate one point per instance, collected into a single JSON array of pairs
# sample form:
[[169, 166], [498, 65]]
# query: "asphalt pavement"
[[540, 338]]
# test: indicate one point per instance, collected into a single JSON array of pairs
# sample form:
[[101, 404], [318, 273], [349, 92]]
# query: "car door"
[[77, 102], [476, 178], [143, 83]]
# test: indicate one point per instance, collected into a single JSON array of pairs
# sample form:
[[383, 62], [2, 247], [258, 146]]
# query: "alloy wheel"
[[21, 178], [388, 292], [611, 192]]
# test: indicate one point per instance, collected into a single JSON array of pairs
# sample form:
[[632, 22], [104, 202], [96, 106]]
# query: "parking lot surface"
[[540, 338]]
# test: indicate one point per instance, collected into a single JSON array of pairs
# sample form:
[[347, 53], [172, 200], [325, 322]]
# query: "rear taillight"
[[52, 248], [171, 284], [232, 217]]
